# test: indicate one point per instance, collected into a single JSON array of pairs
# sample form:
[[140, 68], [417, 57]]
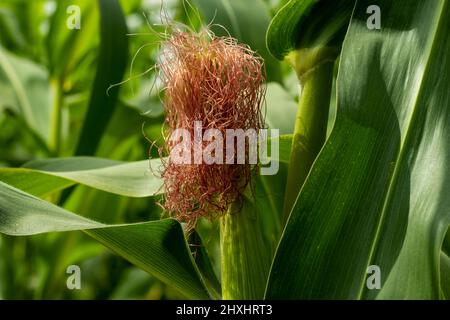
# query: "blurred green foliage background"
[[53, 103]]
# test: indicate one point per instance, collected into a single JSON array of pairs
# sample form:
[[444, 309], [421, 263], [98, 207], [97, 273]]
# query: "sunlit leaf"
[[158, 247], [41, 177], [378, 192]]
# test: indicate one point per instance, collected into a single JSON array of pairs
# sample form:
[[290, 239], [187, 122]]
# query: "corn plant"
[[358, 207]]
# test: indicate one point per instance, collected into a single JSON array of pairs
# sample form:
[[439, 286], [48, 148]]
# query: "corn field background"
[[361, 99]]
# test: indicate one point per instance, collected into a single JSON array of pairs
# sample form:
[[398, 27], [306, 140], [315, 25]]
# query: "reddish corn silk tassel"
[[214, 83]]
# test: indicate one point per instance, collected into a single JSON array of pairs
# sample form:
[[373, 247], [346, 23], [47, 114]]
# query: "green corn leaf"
[[112, 62], [68, 48], [158, 247], [307, 24], [203, 262], [42, 177], [25, 90], [132, 179], [378, 192], [12, 36]]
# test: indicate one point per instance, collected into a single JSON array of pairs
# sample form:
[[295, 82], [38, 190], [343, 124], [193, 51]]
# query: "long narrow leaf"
[[112, 62], [378, 192], [42, 177], [158, 247]]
